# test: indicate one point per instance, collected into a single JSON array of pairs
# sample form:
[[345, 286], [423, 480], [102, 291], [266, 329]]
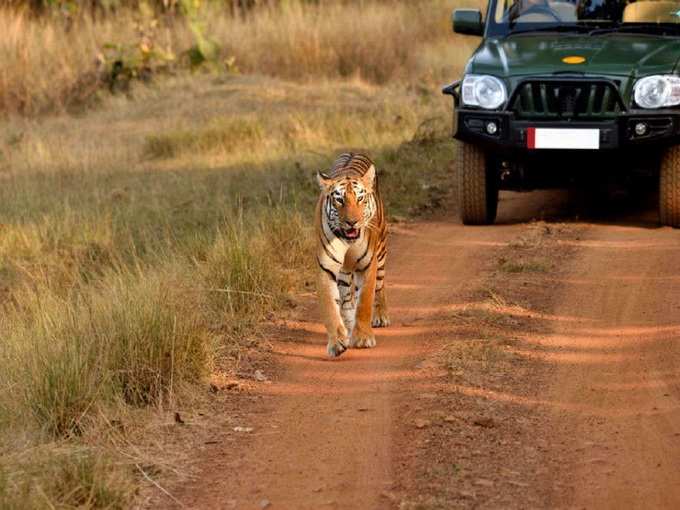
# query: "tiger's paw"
[[380, 320], [337, 347], [362, 339]]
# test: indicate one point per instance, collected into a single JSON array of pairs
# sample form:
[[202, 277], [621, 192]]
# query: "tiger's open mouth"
[[351, 233]]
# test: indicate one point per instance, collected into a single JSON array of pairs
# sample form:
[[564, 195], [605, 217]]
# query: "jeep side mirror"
[[467, 21]]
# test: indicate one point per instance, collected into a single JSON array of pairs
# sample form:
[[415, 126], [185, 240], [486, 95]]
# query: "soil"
[[531, 364]]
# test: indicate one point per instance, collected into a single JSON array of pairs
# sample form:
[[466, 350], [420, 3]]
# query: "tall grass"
[[51, 62], [130, 338], [136, 336], [57, 476], [378, 41], [137, 333], [47, 65]]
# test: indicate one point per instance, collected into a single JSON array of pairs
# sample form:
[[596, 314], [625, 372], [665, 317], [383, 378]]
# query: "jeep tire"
[[669, 188], [477, 186]]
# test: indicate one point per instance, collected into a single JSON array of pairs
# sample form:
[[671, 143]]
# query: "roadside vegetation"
[[156, 206], [70, 56]]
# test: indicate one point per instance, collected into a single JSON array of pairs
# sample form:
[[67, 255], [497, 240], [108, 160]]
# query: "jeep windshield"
[[659, 17]]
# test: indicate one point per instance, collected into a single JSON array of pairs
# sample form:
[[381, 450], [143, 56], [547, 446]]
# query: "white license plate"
[[560, 138]]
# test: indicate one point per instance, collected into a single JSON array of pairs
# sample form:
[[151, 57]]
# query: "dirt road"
[[617, 385], [548, 380]]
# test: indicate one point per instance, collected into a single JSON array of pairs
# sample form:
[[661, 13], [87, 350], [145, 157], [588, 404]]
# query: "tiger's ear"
[[324, 181], [369, 178]]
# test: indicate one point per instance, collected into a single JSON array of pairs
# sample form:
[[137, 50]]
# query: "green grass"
[[533, 265], [226, 136]]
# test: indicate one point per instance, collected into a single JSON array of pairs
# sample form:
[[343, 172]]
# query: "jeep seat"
[[652, 11], [563, 9]]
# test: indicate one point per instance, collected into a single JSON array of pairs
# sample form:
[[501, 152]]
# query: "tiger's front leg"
[[348, 303], [362, 335], [381, 318], [329, 301]]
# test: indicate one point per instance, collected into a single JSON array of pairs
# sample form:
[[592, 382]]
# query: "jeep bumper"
[[504, 134]]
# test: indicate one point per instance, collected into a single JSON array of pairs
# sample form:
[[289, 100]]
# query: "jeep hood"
[[625, 55]]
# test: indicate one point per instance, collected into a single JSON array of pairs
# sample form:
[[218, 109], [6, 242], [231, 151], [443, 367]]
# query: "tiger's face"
[[349, 203]]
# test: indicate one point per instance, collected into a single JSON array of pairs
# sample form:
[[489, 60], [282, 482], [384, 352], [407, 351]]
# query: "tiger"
[[351, 235]]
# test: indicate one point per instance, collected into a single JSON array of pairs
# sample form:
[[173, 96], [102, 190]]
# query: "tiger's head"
[[349, 203]]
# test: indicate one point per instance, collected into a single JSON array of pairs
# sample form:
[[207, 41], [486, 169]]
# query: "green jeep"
[[564, 90]]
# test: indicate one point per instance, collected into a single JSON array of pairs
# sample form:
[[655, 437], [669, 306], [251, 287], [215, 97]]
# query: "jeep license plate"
[[560, 138]]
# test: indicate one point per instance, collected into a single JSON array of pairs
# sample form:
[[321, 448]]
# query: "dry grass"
[[142, 239], [308, 41], [55, 476], [50, 63], [46, 65]]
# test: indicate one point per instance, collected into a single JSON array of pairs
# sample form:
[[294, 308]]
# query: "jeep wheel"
[[477, 186], [669, 188]]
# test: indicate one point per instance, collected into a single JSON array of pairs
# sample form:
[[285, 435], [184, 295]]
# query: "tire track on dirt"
[[616, 384]]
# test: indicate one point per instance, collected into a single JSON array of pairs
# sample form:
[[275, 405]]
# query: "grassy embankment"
[[143, 240]]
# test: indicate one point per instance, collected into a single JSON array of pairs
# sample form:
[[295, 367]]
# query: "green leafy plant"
[[139, 60], [205, 50]]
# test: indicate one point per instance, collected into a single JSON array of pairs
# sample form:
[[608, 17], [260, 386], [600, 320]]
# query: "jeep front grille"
[[547, 99]]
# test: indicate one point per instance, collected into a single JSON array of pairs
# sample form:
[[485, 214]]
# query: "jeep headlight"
[[482, 90], [657, 91]]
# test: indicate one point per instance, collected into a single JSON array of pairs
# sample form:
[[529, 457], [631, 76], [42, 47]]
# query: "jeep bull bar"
[[563, 113]]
